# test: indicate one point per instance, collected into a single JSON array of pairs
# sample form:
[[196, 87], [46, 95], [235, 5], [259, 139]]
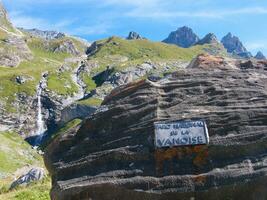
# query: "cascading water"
[[40, 122]]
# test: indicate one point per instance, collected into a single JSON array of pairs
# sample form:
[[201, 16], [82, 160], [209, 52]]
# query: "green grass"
[[91, 102], [139, 51], [61, 83], [16, 153], [90, 84], [34, 191], [136, 49]]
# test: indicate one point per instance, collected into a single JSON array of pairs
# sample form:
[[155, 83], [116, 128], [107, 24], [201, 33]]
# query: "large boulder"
[[112, 155]]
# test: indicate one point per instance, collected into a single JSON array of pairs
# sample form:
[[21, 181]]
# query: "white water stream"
[[40, 122]]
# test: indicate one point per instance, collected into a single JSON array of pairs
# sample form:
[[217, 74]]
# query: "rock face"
[[183, 37], [134, 36], [208, 39], [35, 174], [235, 46], [112, 154], [67, 46], [260, 56], [48, 35]]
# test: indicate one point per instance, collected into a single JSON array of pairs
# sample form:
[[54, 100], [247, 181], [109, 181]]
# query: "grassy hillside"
[[137, 49], [118, 52], [15, 154]]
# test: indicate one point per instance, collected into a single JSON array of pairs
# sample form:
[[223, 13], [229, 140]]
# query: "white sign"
[[181, 133]]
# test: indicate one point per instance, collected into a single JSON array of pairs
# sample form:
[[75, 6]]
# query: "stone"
[[35, 174], [67, 46], [112, 155], [183, 37], [134, 36]]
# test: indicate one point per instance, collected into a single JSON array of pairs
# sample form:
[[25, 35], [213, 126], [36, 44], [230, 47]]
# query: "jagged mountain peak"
[[260, 56], [233, 45], [134, 36], [183, 37], [210, 38]]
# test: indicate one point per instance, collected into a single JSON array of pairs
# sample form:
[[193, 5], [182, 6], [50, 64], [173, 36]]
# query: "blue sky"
[[154, 19]]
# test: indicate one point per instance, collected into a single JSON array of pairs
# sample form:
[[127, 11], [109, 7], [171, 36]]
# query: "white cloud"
[[21, 20], [201, 13]]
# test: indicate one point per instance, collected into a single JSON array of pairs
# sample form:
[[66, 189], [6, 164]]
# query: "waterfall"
[[40, 122]]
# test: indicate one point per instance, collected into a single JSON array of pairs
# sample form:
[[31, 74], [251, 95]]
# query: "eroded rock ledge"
[[112, 154]]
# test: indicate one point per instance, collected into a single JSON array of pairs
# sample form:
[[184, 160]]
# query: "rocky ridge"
[[235, 46], [48, 35], [183, 37], [210, 38], [113, 150]]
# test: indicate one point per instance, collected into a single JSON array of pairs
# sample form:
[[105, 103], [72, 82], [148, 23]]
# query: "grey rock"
[[183, 37], [22, 79], [75, 111], [208, 39], [66, 46], [113, 151], [235, 46], [35, 174], [260, 56], [48, 35], [134, 36]]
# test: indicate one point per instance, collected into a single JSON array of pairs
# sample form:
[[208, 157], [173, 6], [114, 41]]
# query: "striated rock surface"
[[112, 154], [183, 37]]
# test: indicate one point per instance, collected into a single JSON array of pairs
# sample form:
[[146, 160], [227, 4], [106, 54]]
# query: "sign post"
[[181, 133]]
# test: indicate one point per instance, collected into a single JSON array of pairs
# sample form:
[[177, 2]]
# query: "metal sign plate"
[[181, 133]]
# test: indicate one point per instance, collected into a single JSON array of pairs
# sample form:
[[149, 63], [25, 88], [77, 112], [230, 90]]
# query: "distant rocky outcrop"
[[208, 39], [113, 150], [48, 35], [260, 56], [134, 36], [65, 46], [183, 37], [235, 46]]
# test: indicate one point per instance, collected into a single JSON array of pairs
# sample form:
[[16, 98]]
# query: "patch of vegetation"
[[34, 191], [90, 84], [136, 49], [16, 153], [91, 102], [62, 83]]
